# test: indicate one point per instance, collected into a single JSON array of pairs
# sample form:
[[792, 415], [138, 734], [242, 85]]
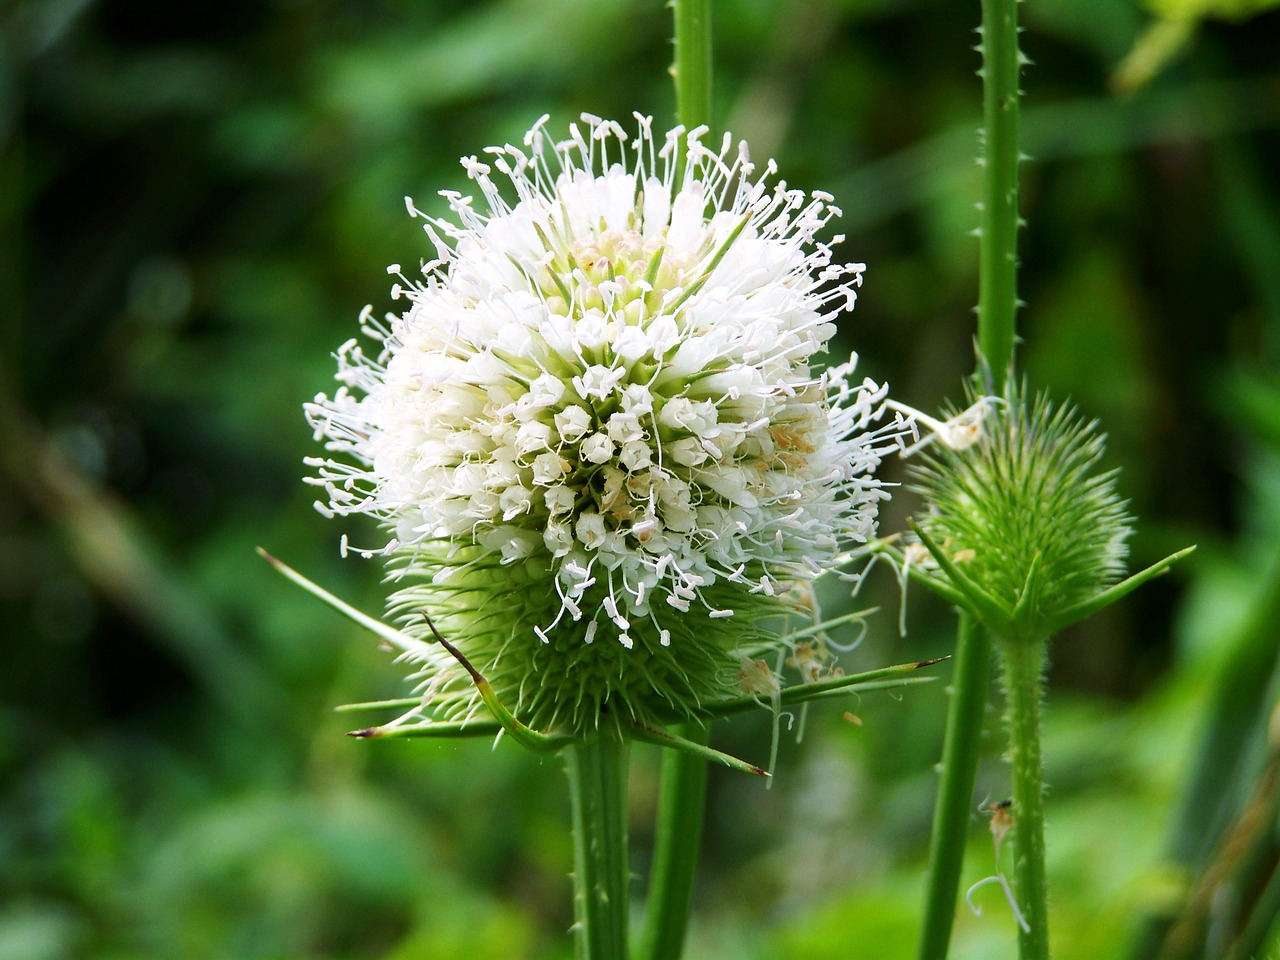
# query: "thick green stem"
[[953, 810], [675, 854], [597, 771], [1024, 663], [998, 241]]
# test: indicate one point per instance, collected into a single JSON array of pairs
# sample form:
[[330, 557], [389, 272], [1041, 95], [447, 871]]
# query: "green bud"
[[1019, 520]]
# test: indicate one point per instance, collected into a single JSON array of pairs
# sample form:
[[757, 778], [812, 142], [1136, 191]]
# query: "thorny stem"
[[692, 68], [998, 239], [997, 314], [1024, 663], [597, 769]]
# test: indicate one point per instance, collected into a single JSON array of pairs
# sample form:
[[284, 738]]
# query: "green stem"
[[997, 315], [682, 801], [953, 811], [675, 855], [692, 67], [1024, 663], [998, 241], [597, 771]]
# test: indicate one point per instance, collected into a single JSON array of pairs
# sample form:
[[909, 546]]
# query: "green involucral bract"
[[566, 683]]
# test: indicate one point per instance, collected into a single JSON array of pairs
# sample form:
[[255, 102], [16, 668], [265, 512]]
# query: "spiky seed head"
[[1024, 512]]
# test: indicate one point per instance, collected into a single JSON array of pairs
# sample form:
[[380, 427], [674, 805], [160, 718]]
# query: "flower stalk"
[[597, 770], [681, 811], [692, 67], [998, 239], [606, 461], [997, 316], [961, 750], [1024, 663]]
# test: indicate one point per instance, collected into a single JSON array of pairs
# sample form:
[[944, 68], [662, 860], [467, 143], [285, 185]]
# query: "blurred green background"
[[195, 201]]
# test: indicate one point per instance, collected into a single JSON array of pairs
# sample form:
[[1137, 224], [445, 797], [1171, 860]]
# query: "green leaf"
[[1194, 10], [450, 730]]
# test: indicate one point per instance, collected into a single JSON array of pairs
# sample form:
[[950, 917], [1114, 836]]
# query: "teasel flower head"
[[1018, 517], [598, 438]]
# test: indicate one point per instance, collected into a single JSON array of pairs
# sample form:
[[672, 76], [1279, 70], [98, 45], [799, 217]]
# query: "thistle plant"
[[596, 439], [1023, 536], [607, 465], [1026, 536]]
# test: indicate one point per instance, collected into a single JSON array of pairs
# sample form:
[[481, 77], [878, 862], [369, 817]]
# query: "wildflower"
[[596, 439]]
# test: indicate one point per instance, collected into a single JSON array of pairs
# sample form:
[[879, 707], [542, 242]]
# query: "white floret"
[[601, 369]]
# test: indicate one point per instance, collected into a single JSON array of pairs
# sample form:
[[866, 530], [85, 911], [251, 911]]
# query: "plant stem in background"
[[597, 769], [681, 806], [997, 316], [952, 815], [682, 798], [998, 240], [692, 68], [1024, 662]]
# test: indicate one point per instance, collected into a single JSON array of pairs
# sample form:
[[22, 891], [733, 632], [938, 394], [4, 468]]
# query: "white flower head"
[[598, 432]]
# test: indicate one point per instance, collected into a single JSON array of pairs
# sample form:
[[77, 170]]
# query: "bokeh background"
[[197, 198]]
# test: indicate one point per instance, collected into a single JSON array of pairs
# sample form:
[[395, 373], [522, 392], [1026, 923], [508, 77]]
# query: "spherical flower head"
[[596, 437], [1023, 514]]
